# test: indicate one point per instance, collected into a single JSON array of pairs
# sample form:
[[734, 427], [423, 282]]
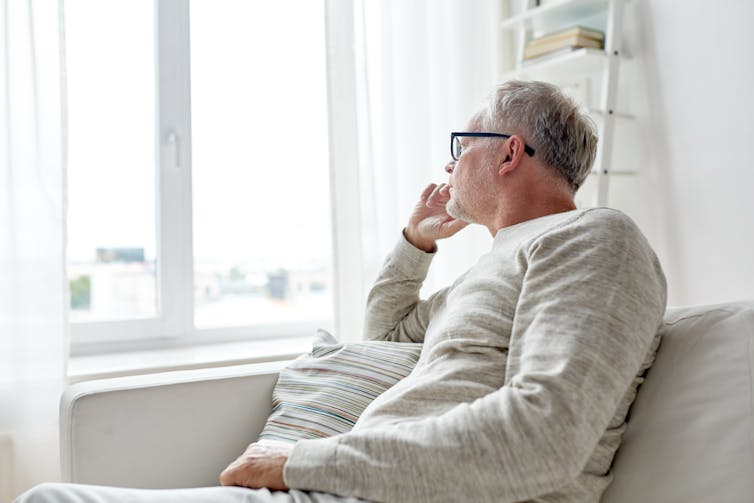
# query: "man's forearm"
[[394, 311]]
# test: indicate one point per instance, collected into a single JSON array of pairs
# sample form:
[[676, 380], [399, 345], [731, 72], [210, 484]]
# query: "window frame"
[[174, 323]]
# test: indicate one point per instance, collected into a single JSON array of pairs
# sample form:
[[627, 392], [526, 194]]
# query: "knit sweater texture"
[[530, 362]]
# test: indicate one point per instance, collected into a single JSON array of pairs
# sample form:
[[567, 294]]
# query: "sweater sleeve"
[[591, 302], [394, 310]]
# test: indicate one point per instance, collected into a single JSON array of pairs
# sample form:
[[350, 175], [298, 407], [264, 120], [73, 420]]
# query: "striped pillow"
[[324, 392]]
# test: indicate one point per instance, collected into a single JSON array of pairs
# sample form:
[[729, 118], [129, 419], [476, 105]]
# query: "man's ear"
[[504, 166], [514, 151]]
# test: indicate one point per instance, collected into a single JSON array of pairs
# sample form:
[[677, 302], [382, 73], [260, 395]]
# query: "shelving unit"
[[575, 71]]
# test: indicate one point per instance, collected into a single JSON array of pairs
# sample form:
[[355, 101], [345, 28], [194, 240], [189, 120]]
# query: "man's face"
[[470, 179]]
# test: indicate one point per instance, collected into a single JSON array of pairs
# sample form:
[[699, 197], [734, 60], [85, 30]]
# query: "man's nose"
[[450, 167]]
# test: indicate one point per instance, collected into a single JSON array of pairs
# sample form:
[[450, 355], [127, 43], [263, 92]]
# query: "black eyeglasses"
[[456, 149]]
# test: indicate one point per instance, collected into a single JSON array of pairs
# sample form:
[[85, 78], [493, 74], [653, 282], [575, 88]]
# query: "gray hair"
[[562, 135]]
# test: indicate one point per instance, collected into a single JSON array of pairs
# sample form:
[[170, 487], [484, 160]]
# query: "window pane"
[[111, 159], [262, 247]]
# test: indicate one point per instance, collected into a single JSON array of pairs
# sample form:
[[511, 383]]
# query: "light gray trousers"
[[79, 493]]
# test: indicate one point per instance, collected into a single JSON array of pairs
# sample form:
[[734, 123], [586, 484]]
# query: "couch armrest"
[[166, 430]]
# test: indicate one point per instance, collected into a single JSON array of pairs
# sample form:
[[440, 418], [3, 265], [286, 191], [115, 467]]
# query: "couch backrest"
[[690, 435]]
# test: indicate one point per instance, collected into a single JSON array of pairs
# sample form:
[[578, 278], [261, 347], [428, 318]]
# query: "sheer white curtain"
[[422, 67], [32, 279]]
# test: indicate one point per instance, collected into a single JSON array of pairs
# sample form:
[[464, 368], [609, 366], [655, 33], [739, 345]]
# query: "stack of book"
[[564, 41]]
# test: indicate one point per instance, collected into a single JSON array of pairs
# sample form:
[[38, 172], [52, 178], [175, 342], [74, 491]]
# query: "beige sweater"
[[530, 362]]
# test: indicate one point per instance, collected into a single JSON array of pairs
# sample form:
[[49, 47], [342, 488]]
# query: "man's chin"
[[456, 212]]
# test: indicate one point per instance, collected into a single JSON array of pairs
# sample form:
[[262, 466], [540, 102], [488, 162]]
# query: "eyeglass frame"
[[455, 134]]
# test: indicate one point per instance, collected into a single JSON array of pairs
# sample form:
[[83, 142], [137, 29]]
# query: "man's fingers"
[[226, 478], [261, 465], [439, 196], [427, 191]]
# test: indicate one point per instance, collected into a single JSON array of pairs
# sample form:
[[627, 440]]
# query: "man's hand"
[[261, 465], [429, 220]]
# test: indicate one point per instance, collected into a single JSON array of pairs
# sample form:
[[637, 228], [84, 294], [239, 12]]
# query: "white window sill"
[[101, 366]]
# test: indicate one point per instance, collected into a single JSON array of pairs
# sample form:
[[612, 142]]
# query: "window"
[[199, 200], [111, 183]]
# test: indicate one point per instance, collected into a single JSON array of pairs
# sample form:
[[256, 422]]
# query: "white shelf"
[[624, 172], [618, 115], [556, 12], [578, 61], [589, 75]]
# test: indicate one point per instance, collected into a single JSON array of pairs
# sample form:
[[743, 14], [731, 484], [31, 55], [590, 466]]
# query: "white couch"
[[690, 436]]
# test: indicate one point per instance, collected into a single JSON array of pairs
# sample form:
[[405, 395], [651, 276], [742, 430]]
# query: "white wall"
[[691, 85]]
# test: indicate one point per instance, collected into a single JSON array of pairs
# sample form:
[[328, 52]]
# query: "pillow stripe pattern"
[[323, 393]]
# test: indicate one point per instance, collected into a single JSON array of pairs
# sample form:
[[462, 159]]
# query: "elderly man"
[[531, 358]]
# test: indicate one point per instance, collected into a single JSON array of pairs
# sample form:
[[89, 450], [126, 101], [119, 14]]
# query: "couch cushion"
[[324, 392], [690, 434]]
